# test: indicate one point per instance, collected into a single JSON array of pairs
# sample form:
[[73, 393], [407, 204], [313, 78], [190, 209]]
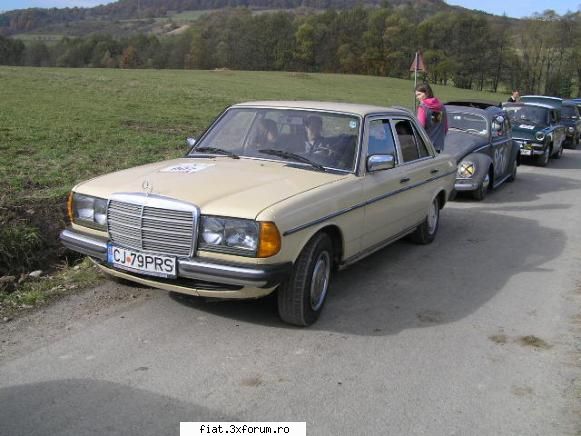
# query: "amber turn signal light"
[[70, 207], [269, 240]]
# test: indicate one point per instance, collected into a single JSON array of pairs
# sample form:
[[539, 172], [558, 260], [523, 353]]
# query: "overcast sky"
[[512, 8]]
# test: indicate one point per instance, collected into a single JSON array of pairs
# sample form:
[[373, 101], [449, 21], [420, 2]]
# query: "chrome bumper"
[[258, 276], [466, 185]]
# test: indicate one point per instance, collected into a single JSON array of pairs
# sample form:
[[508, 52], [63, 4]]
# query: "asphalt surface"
[[476, 334]]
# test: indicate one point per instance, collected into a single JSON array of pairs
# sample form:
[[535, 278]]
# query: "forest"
[[460, 48]]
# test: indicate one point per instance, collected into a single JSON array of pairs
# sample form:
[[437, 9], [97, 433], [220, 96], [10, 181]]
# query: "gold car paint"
[[246, 292]]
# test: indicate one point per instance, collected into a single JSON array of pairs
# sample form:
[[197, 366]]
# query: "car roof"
[[528, 103], [548, 97], [478, 103], [489, 112], [351, 108]]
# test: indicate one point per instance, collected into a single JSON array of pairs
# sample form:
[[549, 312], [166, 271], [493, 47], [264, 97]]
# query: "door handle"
[[434, 171], [404, 180]]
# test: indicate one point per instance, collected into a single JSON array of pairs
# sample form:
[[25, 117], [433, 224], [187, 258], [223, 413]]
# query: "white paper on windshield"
[[526, 126], [187, 168]]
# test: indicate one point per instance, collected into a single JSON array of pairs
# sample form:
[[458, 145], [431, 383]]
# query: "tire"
[[559, 154], [482, 190], [512, 176], [302, 296], [425, 233], [544, 159]]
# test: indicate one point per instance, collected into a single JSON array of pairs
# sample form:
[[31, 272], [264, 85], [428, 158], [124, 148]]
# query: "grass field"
[[61, 126]]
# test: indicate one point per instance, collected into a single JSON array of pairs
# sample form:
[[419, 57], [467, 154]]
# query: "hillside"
[[131, 16]]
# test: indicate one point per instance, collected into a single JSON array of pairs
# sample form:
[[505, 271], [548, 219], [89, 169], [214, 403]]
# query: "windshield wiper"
[[292, 156], [216, 150]]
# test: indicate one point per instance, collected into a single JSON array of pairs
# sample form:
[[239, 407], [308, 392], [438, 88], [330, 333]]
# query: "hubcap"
[[320, 280], [486, 182], [433, 217]]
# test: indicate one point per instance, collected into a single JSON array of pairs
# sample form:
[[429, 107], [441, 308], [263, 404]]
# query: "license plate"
[[145, 263], [526, 152]]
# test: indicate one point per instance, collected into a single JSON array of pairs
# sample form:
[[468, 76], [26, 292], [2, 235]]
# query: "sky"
[[512, 8]]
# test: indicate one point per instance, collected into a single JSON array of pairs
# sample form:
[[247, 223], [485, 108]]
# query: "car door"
[[501, 143], [385, 208]]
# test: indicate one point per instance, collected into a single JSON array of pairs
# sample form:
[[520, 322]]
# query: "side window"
[[422, 148], [407, 140], [380, 138]]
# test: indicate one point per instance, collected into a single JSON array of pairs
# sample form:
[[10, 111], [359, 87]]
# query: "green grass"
[[35, 293], [61, 126]]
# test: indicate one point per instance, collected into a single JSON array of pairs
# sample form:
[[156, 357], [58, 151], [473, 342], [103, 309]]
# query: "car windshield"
[[314, 138], [526, 115], [468, 122], [569, 112]]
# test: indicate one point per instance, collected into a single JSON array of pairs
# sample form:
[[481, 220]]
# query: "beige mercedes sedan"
[[274, 196]]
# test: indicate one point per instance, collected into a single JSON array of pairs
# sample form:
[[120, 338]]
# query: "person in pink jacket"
[[432, 115]]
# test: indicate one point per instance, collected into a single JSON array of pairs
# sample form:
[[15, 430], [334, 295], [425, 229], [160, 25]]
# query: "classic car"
[[571, 119], [568, 112], [479, 138], [273, 196], [537, 128]]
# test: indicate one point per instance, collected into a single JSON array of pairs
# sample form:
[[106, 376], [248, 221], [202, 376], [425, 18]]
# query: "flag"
[[418, 63]]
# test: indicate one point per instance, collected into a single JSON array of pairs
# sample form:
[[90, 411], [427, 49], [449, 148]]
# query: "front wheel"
[[559, 153], [302, 296], [480, 193], [544, 159], [425, 233]]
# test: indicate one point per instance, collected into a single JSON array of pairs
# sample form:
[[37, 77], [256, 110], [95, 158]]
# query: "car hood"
[[526, 130], [459, 144], [220, 186]]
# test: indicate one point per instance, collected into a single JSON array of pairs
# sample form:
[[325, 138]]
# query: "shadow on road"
[[81, 406], [408, 286]]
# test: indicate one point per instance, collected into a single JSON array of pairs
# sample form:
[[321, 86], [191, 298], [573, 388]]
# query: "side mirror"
[[379, 162], [190, 142]]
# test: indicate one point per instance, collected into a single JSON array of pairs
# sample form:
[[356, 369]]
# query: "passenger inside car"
[[380, 138]]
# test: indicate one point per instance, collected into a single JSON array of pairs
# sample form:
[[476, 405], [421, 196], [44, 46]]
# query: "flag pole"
[[415, 79]]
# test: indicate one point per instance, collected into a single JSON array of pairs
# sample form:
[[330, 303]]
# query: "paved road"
[[472, 335]]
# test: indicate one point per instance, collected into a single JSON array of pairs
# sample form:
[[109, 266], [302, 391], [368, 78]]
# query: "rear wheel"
[[425, 233], [512, 176], [302, 296]]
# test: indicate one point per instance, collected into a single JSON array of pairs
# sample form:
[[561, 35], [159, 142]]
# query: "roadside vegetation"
[[62, 126], [462, 48]]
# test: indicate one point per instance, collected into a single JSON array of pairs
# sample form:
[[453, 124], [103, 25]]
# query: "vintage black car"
[[571, 119], [480, 140], [537, 128], [569, 115]]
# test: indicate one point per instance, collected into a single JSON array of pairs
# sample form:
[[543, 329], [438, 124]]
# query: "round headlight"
[[466, 169], [571, 129], [213, 231], [540, 136]]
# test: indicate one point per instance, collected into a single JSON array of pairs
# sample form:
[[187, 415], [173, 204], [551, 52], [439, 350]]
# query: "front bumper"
[[202, 276], [530, 148], [466, 185]]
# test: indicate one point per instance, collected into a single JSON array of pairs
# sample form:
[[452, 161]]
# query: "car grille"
[[153, 229]]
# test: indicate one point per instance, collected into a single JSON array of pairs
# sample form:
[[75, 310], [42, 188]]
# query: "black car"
[[538, 130], [480, 140], [571, 119]]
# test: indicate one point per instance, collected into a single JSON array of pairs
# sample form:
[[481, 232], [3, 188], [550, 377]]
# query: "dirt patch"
[[534, 342], [500, 339], [251, 382], [431, 316]]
